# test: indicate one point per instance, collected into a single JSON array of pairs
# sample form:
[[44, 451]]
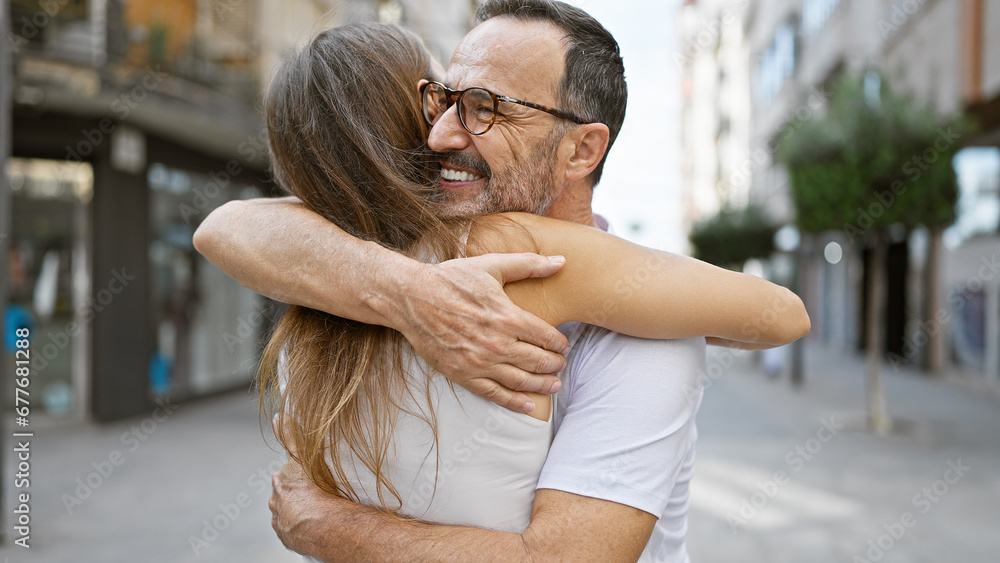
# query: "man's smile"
[[454, 175]]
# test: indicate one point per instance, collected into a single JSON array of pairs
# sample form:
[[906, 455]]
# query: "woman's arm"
[[456, 315], [624, 287]]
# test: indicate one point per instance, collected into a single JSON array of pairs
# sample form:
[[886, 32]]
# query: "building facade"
[[131, 121], [945, 55], [715, 121], [948, 54]]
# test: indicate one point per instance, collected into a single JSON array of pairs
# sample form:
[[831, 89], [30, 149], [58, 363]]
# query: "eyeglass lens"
[[475, 109]]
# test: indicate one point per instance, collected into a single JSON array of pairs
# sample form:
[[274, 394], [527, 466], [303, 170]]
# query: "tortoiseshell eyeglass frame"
[[453, 96]]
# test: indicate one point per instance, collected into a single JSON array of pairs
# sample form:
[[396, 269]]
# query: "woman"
[[365, 417]]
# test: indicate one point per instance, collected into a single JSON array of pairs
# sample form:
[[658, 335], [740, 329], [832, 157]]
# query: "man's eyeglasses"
[[477, 107]]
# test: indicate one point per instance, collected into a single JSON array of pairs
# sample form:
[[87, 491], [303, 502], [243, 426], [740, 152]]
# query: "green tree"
[[733, 236], [875, 159]]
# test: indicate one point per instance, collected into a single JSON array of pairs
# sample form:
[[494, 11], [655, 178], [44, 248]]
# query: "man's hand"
[[564, 527], [298, 508], [457, 317]]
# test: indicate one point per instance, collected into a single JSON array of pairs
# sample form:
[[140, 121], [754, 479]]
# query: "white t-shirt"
[[625, 428]]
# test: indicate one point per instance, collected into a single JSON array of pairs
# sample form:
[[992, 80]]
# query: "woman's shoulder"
[[501, 232], [529, 220], [517, 232]]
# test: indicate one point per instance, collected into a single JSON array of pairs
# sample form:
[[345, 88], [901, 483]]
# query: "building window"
[[208, 327], [815, 14], [978, 170], [777, 63], [968, 331], [50, 279]]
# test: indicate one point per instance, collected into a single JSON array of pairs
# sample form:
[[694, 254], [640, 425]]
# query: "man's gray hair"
[[593, 84]]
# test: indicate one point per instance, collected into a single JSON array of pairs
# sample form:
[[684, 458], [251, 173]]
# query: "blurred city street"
[[192, 487], [848, 150], [176, 497], [844, 486]]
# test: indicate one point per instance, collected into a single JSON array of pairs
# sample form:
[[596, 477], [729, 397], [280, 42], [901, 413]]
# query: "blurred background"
[[845, 148]]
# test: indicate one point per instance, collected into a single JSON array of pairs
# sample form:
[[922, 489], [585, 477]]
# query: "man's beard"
[[527, 186]]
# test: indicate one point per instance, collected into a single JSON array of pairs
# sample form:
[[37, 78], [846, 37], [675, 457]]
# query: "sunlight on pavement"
[[762, 500]]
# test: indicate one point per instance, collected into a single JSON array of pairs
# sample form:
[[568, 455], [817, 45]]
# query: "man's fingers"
[[496, 393], [479, 339], [509, 268], [530, 362], [534, 331], [514, 379]]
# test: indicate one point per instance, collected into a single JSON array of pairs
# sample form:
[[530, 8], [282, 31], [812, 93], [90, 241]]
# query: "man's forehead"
[[513, 57]]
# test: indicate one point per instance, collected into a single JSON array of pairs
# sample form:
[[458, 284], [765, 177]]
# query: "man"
[[614, 486]]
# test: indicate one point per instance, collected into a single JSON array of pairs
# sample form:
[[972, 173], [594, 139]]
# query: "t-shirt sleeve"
[[628, 423]]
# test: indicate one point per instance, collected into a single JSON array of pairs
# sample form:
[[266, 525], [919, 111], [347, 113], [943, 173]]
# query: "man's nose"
[[447, 134]]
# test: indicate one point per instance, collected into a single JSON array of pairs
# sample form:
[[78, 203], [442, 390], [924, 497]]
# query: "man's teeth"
[[458, 176]]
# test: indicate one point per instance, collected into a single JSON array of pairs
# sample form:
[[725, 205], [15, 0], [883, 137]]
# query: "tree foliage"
[[872, 163], [733, 236]]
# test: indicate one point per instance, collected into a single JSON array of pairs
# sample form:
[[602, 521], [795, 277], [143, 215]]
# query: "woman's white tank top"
[[482, 471]]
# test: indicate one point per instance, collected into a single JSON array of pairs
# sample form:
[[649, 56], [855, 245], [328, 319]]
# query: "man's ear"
[[420, 84], [588, 144]]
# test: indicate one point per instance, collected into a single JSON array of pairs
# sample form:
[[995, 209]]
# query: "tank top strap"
[[463, 237]]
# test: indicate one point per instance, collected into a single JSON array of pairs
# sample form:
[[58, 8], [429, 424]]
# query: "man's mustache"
[[464, 161]]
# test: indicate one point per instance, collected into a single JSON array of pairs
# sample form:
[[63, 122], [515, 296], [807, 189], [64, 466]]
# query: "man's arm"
[[564, 526], [455, 314], [624, 442]]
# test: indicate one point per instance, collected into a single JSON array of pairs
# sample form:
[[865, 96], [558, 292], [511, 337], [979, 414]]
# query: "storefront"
[[49, 277], [123, 309]]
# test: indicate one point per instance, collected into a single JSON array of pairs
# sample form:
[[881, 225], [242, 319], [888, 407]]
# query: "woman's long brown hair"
[[347, 137]]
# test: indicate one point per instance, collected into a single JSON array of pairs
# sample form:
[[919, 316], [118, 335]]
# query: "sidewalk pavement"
[[788, 475], [782, 476], [189, 483]]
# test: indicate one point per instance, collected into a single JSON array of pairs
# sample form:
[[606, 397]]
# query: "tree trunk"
[[878, 415], [932, 288], [800, 285]]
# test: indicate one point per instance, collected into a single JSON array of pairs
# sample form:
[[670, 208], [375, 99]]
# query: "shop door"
[[50, 279]]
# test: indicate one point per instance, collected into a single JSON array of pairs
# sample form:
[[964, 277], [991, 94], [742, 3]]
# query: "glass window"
[[777, 63], [50, 278], [978, 170], [969, 331], [208, 327], [815, 14]]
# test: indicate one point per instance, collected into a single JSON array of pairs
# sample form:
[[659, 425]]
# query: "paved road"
[[782, 475], [808, 493], [160, 499]]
